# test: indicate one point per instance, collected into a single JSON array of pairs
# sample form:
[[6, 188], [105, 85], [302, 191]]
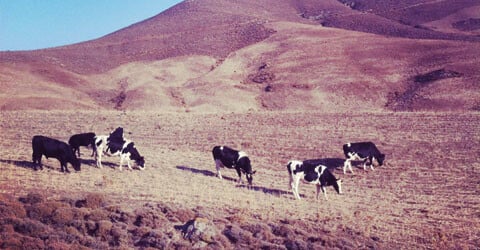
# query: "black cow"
[[115, 144], [230, 158], [364, 151], [312, 174], [59, 150], [84, 139]]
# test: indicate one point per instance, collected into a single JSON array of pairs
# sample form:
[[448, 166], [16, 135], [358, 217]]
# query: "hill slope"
[[274, 55]]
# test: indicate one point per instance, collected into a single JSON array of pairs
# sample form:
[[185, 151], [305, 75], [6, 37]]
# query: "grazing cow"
[[59, 150], [313, 174], [85, 139], [115, 140], [230, 158], [115, 144], [364, 151]]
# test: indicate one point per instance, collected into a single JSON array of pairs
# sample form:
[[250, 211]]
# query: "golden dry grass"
[[427, 196]]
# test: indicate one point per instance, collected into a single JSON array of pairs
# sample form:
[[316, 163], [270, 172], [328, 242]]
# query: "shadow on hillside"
[[30, 165], [272, 191], [92, 162], [24, 164], [204, 172]]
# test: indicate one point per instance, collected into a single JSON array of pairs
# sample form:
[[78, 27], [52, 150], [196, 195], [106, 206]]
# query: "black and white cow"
[[230, 158], [312, 174], [115, 144], [59, 150], [84, 139], [364, 151]]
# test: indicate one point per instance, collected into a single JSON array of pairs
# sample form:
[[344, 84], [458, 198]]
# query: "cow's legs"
[[324, 191], [295, 183], [218, 165], [347, 163], [76, 151], [98, 157], [129, 165], [291, 184], [121, 162], [371, 162], [63, 166], [239, 175], [94, 149], [368, 161], [37, 161], [123, 158]]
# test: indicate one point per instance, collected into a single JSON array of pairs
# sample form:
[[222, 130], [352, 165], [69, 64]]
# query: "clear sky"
[[36, 24]]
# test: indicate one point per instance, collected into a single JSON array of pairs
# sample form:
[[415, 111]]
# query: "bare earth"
[[426, 197]]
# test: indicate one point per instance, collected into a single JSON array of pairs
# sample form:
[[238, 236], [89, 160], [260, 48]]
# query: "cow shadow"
[[204, 172], [92, 162], [271, 191], [24, 164], [31, 165]]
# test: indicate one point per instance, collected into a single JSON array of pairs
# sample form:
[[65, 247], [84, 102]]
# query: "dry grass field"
[[427, 197]]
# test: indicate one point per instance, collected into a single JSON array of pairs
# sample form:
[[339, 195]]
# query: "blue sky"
[[36, 24]]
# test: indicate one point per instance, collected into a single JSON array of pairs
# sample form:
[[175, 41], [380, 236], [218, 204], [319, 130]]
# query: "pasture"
[[428, 195]]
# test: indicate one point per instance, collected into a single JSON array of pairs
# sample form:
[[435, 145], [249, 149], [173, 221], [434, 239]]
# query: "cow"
[[50, 147], [364, 151], [115, 144], [312, 174], [230, 158], [84, 139]]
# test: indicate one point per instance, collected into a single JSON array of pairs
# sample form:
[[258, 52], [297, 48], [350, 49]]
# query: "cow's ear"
[[254, 172]]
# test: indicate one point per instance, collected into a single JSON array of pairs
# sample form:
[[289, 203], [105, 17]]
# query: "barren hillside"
[[262, 55]]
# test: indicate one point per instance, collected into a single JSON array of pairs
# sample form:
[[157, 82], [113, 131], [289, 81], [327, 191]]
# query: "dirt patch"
[[120, 98], [263, 74], [467, 25], [411, 99], [436, 75]]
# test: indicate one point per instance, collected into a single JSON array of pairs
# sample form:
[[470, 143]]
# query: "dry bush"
[[92, 200]]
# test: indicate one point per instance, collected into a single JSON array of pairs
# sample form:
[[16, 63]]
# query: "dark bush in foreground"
[[37, 222]]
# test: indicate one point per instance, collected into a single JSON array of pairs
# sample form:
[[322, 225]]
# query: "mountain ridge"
[[262, 33]]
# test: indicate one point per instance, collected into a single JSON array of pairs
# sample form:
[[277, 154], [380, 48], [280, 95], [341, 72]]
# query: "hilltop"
[[263, 55]]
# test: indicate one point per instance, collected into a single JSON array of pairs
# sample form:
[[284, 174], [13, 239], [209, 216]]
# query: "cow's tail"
[[290, 174], [346, 149], [94, 147]]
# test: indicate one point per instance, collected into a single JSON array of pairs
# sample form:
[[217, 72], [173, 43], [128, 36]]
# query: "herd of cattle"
[[115, 144]]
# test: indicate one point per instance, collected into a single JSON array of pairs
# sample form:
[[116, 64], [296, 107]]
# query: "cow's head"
[[249, 176], [140, 162], [75, 163], [381, 159]]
